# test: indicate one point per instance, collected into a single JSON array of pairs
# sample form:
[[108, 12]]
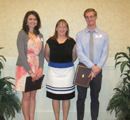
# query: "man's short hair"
[[90, 10]]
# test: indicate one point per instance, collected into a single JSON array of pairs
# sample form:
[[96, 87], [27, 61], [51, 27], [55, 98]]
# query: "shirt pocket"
[[98, 44]]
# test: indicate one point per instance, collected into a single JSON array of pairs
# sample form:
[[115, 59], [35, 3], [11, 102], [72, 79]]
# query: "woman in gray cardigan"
[[30, 60]]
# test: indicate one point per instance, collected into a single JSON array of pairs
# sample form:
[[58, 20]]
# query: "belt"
[[32, 55]]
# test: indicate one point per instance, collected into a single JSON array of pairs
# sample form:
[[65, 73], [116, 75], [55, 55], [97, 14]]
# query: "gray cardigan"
[[22, 41]]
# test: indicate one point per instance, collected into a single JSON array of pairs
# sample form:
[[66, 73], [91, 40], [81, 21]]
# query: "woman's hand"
[[39, 73], [33, 75]]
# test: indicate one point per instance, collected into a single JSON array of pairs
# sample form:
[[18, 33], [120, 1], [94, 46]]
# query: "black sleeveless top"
[[61, 53]]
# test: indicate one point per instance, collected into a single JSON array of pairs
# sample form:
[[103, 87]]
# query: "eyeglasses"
[[64, 27], [92, 16]]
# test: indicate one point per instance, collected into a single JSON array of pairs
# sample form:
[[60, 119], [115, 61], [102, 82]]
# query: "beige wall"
[[113, 18]]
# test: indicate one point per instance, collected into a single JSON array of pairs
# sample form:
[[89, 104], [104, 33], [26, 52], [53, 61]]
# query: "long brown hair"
[[25, 26], [55, 36]]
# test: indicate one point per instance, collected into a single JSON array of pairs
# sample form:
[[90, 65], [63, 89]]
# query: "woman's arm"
[[47, 52], [21, 46], [41, 54], [74, 54]]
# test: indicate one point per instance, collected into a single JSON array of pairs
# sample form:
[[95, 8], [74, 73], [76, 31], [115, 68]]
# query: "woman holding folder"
[[30, 60]]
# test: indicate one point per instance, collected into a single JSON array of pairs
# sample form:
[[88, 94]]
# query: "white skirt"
[[59, 81]]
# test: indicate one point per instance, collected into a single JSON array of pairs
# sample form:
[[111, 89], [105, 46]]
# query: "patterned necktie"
[[91, 46]]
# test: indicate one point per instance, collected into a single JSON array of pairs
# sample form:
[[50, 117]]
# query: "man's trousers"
[[95, 86]]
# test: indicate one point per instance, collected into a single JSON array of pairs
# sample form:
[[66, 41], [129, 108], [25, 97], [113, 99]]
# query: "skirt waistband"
[[61, 65]]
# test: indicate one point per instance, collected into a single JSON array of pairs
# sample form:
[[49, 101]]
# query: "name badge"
[[98, 35], [42, 39]]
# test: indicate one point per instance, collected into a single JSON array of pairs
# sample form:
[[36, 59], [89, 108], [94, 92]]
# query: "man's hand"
[[92, 75], [96, 70]]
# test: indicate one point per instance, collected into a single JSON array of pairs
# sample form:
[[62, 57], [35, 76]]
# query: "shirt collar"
[[96, 30]]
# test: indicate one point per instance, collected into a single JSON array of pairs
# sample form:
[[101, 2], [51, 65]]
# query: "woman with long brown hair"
[[30, 60]]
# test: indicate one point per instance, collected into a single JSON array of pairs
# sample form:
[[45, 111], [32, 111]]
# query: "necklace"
[[33, 36]]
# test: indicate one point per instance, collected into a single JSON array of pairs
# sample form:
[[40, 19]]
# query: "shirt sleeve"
[[104, 52], [21, 45], [80, 52]]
